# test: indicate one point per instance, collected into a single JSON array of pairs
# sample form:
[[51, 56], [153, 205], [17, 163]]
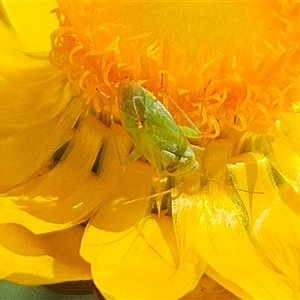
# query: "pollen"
[[96, 50]]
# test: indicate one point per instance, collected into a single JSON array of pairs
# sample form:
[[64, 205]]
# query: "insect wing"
[[133, 115], [163, 129], [176, 156], [131, 102]]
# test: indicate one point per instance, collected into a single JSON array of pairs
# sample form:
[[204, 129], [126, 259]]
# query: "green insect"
[[154, 132]]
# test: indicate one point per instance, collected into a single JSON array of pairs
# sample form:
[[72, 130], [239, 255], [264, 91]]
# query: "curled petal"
[[27, 258], [55, 201], [27, 151]]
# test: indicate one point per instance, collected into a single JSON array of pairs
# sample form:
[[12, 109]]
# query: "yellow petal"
[[27, 258], [133, 256], [185, 213], [285, 148], [20, 71], [225, 244], [278, 235], [209, 289], [273, 225], [227, 284], [24, 154], [57, 199], [149, 260], [32, 22], [29, 110]]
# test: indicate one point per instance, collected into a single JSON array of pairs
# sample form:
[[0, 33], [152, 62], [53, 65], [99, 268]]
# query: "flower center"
[[218, 95]]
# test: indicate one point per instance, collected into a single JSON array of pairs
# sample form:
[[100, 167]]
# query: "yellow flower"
[[233, 67]]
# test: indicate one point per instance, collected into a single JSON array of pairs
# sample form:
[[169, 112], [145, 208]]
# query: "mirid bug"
[[154, 132]]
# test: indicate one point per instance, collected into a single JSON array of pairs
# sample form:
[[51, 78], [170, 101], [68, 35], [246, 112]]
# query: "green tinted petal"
[[273, 225]]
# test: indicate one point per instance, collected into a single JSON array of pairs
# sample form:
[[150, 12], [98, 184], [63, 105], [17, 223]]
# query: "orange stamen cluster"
[[250, 96]]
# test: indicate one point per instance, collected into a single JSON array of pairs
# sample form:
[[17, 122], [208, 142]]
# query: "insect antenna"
[[236, 188], [165, 189], [192, 132], [185, 116]]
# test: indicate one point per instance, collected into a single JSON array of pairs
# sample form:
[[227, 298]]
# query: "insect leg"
[[159, 184], [134, 155]]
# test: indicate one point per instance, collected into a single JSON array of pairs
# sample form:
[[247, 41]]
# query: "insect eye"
[[172, 167]]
